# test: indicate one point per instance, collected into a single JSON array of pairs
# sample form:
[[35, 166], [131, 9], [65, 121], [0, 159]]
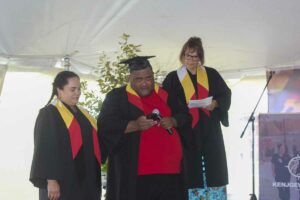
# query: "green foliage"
[[92, 99], [112, 74]]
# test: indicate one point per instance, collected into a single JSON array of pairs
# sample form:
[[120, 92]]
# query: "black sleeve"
[[176, 100], [223, 92], [111, 122], [45, 164], [180, 111]]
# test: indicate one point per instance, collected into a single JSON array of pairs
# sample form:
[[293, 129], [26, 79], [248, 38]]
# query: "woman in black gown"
[[205, 163], [66, 160]]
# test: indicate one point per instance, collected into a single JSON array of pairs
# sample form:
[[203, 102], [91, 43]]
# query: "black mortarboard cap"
[[137, 63]]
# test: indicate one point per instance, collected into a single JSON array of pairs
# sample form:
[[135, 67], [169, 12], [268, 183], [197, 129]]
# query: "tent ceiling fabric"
[[237, 35]]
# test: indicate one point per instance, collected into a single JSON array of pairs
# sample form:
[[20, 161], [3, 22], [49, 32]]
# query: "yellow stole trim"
[[129, 89], [187, 83], [68, 116], [189, 89], [75, 134], [89, 117], [135, 99]]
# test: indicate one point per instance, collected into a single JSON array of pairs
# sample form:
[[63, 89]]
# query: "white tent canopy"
[[238, 36]]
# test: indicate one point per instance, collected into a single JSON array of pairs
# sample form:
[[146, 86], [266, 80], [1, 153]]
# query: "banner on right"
[[284, 92], [279, 156]]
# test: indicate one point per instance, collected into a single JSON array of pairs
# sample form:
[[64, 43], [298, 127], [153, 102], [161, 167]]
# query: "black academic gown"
[[79, 179], [207, 134], [123, 149]]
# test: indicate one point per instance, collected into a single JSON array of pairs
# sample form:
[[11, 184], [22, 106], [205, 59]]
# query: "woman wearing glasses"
[[205, 158]]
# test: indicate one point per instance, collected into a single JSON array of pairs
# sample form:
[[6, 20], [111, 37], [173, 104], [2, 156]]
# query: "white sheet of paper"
[[200, 103]]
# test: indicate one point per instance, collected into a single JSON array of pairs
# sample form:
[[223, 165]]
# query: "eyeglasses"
[[189, 57]]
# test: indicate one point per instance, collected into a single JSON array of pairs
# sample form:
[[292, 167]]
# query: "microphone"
[[156, 115], [271, 73]]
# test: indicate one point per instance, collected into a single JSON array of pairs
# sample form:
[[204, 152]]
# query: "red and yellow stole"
[[189, 90], [135, 99], [75, 130]]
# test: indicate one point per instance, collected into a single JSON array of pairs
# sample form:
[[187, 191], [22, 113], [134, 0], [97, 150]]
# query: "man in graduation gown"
[[143, 130]]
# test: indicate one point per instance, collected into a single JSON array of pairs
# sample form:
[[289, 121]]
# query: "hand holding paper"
[[200, 103]]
